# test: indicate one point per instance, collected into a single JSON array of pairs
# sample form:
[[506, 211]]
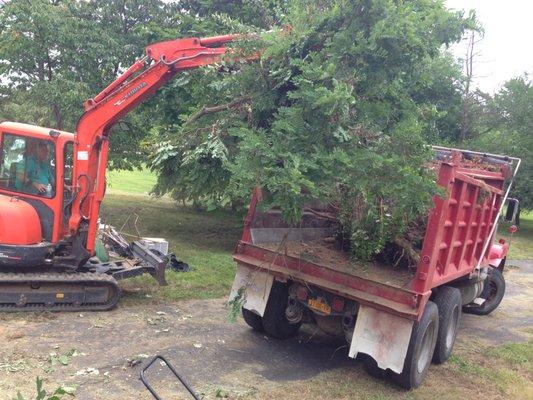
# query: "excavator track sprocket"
[[58, 292]]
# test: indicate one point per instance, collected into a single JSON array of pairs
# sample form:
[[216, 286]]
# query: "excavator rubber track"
[[78, 291]]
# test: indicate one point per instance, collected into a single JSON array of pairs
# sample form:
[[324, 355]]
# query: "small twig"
[[237, 350], [125, 222], [135, 225], [411, 252], [313, 335], [399, 258]]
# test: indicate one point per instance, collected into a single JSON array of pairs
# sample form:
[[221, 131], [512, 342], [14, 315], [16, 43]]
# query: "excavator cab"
[[32, 174], [30, 165]]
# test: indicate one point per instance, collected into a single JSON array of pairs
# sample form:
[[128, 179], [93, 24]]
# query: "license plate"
[[319, 305]]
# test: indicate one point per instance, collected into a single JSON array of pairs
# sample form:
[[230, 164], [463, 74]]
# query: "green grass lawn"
[[204, 240], [130, 182], [522, 241]]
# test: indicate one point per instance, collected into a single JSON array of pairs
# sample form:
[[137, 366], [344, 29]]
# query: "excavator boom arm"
[[162, 61]]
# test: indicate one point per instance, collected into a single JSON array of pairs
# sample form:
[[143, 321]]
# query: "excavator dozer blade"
[[154, 264]]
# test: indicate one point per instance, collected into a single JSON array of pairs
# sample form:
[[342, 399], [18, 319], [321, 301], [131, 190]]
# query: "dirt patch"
[[326, 255]]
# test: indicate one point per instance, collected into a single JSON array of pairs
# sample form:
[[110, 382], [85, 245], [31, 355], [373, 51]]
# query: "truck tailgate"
[[370, 289]]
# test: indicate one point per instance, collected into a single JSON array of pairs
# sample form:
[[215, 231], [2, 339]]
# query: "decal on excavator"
[[130, 93]]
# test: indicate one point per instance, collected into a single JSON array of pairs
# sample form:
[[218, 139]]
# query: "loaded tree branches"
[[340, 109]]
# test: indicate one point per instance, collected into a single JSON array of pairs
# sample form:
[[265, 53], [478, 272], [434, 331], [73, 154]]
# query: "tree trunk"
[[465, 115], [58, 117]]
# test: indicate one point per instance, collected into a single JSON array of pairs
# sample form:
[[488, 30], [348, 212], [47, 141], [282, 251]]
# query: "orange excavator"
[[52, 184]]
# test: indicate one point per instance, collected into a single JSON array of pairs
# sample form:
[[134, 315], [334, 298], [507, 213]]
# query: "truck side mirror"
[[512, 209]]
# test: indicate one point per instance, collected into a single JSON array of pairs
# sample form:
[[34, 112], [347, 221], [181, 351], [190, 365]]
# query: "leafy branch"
[[42, 394]]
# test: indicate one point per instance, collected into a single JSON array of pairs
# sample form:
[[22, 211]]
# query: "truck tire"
[[274, 321], [449, 304], [253, 320], [421, 347], [493, 293], [371, 367]]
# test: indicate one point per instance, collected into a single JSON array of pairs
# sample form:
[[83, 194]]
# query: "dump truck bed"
[[458, 238]]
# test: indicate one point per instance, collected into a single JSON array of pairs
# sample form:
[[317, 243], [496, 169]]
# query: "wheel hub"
[[425, 349]]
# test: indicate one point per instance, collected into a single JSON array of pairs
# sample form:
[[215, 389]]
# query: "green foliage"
[[260, 13], [56, 54], [235, 304], [508, 119], [42, 394], [352, 93], [61, 359], [345, 97], [514, 353]]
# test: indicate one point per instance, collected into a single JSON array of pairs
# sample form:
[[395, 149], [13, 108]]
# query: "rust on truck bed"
[[344, 282]]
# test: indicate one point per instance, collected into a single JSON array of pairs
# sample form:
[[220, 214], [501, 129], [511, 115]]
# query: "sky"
[[506, 50]]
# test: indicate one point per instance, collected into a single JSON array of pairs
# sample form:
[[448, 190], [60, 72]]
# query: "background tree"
[[54, 54], [508, 126]]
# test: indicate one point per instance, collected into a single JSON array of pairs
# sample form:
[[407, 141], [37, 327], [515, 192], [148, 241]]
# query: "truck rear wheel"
[[253, 320], [275, 322], [493, 293], [421, 348], [371, 367], [448, 301]]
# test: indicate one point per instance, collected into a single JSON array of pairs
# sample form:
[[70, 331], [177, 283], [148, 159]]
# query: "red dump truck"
[[397, 319]]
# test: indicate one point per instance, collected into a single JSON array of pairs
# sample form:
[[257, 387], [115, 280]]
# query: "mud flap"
[[257, 286], [383, 336]]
